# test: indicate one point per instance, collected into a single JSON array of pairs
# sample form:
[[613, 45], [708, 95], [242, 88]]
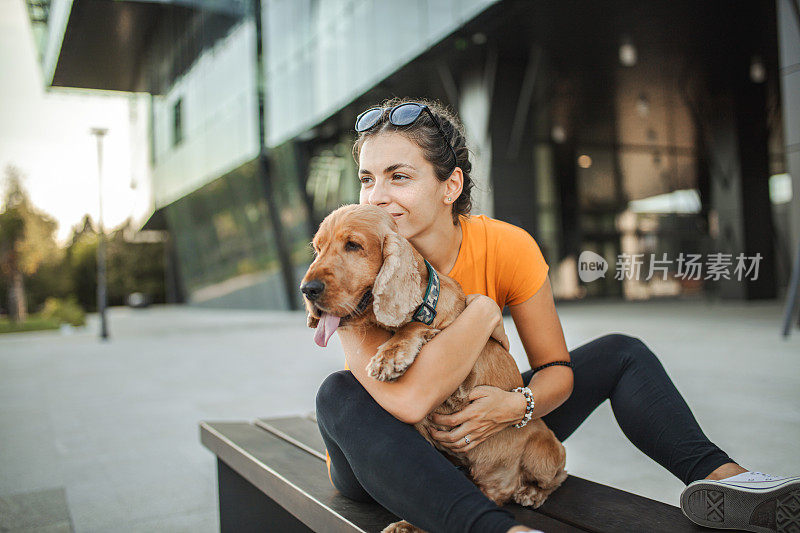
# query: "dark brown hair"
[[426, 135]]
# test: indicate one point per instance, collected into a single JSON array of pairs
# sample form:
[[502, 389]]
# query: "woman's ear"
[[454, 185], [396, 291]]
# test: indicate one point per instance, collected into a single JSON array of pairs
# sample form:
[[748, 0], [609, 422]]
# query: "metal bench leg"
[[243, 508]]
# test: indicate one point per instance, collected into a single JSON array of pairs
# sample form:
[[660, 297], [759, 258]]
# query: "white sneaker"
[[751, 501]]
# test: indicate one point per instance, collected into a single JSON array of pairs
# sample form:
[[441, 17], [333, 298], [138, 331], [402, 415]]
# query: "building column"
[[512, 140], [739, 169], [290, 285], [789, 64], [475, 109]]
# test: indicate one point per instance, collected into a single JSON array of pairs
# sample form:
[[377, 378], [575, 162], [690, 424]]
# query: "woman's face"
[[396, 176]]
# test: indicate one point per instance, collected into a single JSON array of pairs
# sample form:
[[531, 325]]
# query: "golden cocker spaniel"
[[361, 258]]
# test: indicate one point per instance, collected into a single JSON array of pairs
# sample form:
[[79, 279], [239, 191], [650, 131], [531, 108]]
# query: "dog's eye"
[[351, 246]]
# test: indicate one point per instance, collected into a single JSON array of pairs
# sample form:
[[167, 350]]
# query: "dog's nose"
[[312, 289]]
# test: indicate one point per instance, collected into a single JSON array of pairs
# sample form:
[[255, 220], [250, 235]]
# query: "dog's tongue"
[[325, 328]]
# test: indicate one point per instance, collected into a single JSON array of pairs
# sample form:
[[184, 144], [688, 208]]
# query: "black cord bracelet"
[[554, 363]]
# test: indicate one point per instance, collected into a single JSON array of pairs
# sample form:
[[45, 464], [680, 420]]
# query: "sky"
[[45, 133]]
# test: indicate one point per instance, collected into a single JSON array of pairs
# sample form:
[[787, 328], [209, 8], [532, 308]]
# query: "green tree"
[[81, 263], [132, 266], [27, 242]]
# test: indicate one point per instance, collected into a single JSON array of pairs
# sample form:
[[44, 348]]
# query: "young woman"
[[413, 162]]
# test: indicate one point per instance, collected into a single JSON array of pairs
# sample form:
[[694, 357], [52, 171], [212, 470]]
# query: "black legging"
[[375, 456]]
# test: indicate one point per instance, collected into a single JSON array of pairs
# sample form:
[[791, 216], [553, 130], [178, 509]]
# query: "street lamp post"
[[99, 133]]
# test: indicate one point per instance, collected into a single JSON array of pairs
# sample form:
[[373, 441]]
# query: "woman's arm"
[[442, 364], [543, 339], [493, 409]]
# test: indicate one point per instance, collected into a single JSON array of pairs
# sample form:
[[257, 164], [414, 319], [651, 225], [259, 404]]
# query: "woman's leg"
[[647, 406], [374, 455], [341, 474]]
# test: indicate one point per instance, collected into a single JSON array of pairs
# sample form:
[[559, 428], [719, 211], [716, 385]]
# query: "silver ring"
[[466, 439]]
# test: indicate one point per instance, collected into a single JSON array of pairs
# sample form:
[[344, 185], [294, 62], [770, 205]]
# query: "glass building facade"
[[603, 127]]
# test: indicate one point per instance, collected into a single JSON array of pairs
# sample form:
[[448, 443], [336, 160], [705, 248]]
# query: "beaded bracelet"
[[528, 406]]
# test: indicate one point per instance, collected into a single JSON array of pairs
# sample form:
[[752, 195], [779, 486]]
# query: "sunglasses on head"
[[401, 115]]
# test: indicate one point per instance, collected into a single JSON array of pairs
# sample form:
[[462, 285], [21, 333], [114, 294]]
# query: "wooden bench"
[[272, 477]]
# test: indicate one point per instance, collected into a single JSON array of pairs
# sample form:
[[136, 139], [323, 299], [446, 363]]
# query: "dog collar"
[[426, 312]]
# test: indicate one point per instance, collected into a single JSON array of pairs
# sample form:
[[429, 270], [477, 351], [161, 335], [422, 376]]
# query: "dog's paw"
[[385, 367], [530, 496], [396, 355], [401, 527]]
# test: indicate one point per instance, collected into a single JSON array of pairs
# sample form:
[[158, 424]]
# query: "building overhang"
[[104, 44]]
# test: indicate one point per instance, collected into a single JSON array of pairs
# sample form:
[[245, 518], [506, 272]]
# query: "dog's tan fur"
[[525, 464]]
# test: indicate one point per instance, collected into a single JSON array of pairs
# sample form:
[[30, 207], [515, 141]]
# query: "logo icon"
[[591, 266]]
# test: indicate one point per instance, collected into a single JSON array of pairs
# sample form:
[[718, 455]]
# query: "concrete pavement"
[[110, 429]]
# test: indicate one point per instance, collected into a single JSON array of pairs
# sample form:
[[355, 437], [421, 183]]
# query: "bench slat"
[[302, 432], [612, 510]]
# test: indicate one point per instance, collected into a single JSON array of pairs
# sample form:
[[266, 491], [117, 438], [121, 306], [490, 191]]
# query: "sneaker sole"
[[761, 511]]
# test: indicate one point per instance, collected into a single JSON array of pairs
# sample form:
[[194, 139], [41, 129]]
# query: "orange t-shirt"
[[496, 259]]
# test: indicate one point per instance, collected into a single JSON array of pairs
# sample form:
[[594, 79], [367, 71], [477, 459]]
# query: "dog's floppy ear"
[[397, 287]]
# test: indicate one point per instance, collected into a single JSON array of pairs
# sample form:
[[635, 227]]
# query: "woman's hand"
[[499, 333], [490, 411]]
